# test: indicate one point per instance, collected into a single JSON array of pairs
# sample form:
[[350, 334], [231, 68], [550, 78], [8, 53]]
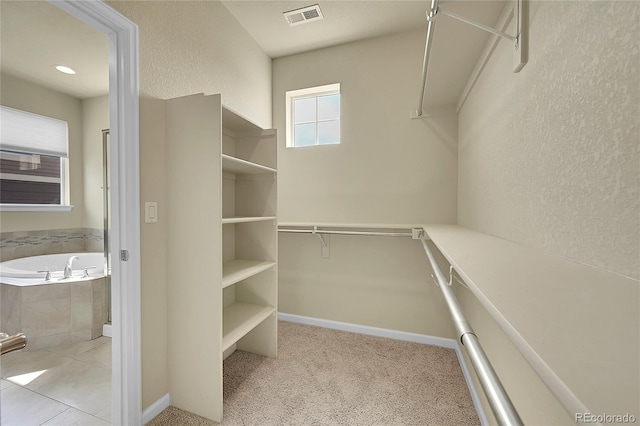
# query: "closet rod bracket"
[[519, 17], [321, 236]]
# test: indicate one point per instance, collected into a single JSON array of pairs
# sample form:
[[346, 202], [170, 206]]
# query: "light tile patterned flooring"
[[62, 385]]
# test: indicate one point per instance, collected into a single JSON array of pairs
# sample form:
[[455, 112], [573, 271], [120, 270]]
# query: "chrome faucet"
[[67, 268]]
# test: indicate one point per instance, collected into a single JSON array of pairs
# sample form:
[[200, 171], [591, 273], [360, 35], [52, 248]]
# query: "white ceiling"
[[36, 36], [344, 20]]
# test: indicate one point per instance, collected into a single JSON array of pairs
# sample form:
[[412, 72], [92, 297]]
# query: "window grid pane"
[[329, 132], [304, 110], [316, 120], [305, 134], [329, 107]]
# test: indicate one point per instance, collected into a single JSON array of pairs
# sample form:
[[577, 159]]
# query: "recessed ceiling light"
[[65, 70]]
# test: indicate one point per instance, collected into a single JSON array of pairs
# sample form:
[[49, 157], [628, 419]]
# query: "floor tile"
[[20, 366], [105, 414], [23, 407], [100, 356], [77, 348], [78, 384], [73, 417]]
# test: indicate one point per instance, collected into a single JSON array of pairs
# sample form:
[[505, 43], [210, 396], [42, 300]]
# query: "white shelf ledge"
[[238, 165], [247, 219], [239, 319], [240, 269], [577, 326]]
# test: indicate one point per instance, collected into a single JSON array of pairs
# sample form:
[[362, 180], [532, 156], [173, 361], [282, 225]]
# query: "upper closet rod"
[[315, 230], [432, 14], [431, 24]]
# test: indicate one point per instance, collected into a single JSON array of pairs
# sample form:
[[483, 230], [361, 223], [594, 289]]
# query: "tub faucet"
[[67, 268]]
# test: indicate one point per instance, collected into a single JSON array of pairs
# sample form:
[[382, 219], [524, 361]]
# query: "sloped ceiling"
[[36, 36]]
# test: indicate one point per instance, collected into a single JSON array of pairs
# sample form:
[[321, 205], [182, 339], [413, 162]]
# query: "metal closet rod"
[[432, 14], [316, 230], [497, 396]]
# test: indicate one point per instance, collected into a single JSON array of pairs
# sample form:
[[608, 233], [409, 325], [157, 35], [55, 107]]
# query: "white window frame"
[[65, 204], [310, 92], [18, 144]]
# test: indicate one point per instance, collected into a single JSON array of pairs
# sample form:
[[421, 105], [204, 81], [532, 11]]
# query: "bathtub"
[[57, 311], [24, 272]]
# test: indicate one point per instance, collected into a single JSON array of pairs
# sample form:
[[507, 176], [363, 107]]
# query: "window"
[[33, 150], [313, 116], [30, 178]]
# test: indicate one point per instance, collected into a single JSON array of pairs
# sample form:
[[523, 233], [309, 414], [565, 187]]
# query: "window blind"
[[22, 131]]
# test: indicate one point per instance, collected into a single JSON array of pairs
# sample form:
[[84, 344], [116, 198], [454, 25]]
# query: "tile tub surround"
[[18, 244], [54, 313]]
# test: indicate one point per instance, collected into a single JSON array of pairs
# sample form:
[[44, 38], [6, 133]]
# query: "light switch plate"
[[150, 212]]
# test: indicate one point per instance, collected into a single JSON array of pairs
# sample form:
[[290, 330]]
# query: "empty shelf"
[[238, 165], [239, 319], [241, 269], [246, 219]]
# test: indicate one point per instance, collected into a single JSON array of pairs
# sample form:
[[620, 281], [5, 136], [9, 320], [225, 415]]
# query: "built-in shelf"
[[552, 308], [246, 219], [237, 165], [239, 319], [241, 255], [240, 269]]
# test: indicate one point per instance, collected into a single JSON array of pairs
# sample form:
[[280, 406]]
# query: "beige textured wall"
[[153, 250], [186, 47], [189, 47], [95, 117], [549, 157], [388, 169], [20, 94], [535, 403]]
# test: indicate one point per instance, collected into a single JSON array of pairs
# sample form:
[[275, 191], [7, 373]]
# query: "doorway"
[[124, 238]]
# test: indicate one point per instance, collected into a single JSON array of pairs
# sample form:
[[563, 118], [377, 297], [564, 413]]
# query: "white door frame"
[[125, 202]]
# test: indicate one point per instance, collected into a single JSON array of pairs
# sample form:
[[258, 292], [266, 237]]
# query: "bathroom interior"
[[64, 310], [538, 167]]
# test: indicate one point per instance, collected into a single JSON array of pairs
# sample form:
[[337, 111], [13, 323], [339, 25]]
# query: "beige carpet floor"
[[330, 377]]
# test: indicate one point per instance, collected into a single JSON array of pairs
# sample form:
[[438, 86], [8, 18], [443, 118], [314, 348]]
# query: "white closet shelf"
[[237, 270], [246, 219], [239, 319], [238, 165], [551, 308]]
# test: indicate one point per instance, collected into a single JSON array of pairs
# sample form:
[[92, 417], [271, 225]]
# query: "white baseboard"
[[156, 408], [371, 331], [397, 335], [106, 330]]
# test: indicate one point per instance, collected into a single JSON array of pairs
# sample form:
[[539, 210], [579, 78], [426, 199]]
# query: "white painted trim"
[[106, 330], [370, 331], [398, 335], [156, 408], [125, 204], [34, 208], [29, 178]]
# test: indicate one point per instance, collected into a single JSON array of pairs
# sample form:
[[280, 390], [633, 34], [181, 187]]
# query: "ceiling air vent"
[[304, 15]]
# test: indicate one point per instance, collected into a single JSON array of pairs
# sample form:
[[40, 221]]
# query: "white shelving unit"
[[226, 220], [222, 219]]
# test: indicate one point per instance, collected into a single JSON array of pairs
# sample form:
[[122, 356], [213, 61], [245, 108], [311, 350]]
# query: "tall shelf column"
[[222, 246]]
